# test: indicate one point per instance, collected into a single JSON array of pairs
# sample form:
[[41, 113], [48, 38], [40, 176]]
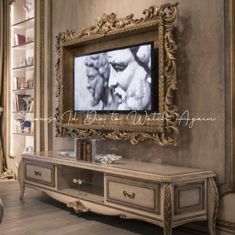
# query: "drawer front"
[[131, 193], [40, 173]]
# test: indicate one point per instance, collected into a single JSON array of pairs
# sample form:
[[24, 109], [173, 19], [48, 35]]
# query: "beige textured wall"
[[201, 79]]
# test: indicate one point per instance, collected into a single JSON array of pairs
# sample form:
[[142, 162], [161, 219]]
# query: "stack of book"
[[85, 149]]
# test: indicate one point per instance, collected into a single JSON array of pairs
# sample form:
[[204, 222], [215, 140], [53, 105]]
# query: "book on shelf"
[[19, 39], [78, 150], [88, 152], [85, 149]]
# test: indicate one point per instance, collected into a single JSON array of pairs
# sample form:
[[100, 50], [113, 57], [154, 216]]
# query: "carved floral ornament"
[[165, 130]]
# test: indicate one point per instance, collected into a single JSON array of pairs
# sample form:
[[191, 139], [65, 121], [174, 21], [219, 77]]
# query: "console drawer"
[[40, 172], [131, 193]]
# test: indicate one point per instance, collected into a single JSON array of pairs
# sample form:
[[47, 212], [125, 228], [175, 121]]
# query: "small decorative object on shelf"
[[21, 83], [30, 81], [27, 127], [28, 7], [66, 153], [28, 100], [30, 108], [29, 39], [30, 61], [23, 62], [107, 158], [19, 39], [22, 102], [28, 149]]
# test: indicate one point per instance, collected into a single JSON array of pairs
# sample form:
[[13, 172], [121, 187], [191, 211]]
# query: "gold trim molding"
[[164, 129]]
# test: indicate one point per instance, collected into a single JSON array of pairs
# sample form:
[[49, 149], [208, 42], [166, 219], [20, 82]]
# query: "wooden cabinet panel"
[[40, 173], [131, 193], [190, 198]]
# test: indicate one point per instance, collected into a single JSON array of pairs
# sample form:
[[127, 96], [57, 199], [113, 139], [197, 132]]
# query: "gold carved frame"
[[157, 24]]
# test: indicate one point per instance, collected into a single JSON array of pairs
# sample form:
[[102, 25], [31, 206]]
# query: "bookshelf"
[[22, 77]]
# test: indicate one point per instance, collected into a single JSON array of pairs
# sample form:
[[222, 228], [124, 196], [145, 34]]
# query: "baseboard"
[[201, 228], [225, 227]]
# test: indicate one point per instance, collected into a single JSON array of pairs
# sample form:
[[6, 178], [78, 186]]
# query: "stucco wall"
[[201, 77]]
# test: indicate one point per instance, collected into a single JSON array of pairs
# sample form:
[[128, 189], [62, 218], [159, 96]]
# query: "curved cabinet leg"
[[213, 205], [167, 210], [1, 210], [21, 179]]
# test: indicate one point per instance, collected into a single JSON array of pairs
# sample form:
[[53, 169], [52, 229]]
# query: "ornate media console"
[[165, 195]]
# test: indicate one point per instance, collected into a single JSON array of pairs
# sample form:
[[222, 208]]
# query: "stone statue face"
[[122, 67], [95, 85], [129, 79], [97, 71]]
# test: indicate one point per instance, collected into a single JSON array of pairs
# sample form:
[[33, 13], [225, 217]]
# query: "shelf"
[[23, 90], [24, 46], [25, 24], [21, 112], [91, 193], [22, 68], [23, 134], [22, 51]]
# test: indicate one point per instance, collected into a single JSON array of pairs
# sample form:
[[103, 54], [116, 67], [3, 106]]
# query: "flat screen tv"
[[116, 80]]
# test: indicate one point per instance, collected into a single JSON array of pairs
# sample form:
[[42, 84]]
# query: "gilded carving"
[[8, 174], [163, 131], [167, 209], [216, 200], [78, 206]]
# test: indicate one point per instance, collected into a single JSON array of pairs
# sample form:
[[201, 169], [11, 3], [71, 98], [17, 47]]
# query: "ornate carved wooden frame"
[[157, 23]]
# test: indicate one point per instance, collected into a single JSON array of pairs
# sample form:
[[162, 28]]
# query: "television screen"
[[118, 80]]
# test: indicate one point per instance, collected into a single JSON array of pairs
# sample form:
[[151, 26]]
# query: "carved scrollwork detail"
[[78, 206], [216, 200], [122, 216], [106, 23], [164, 17], [167, 209]]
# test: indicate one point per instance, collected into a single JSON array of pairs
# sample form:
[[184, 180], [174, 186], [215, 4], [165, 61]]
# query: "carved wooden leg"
[[167, 210], [21, 179], [1, 210], [22, 190], [213, 205]]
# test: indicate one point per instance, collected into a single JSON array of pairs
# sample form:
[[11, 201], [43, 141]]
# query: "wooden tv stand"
[[167, 196]]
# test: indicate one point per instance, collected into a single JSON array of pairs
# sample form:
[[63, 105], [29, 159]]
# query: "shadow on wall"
[[179, 154], [156, 153], [183, 36]]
